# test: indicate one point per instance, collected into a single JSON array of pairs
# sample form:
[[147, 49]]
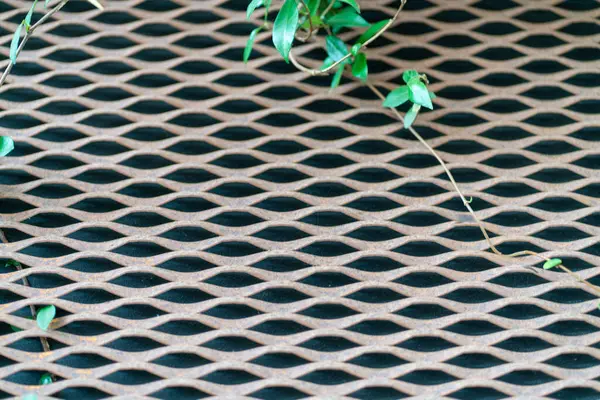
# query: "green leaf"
[[355, 49], [30, 14], [336, 48], [337, 77], [6, 145], [353, 4], [396, 97], [45, 315], [432, 95], [347, 18], [553, 262], [360, 68], [418, 93], [14, 44], [313, 6], [372, 31], [46, 379], [315, 19], [250, 43], [254, 4], [30, 396], [12, 263], [409, 75], [411, 115], [285, 27]]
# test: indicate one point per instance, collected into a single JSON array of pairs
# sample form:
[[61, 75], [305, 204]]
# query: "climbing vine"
[[301, 21]]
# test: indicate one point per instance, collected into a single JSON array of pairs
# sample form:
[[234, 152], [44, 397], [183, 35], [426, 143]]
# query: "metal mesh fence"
[[207, 228]]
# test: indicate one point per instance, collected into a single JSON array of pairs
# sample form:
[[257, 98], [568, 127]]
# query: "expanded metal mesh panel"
[[207, 228]]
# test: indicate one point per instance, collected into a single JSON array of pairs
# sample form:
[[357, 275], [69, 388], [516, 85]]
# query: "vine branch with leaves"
[[336, 15]]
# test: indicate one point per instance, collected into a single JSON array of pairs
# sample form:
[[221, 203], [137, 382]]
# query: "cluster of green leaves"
[[332, 16], [414, 91], [337, 52]]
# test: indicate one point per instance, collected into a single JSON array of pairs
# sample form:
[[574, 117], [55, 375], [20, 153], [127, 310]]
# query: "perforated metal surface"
[[207, 228]]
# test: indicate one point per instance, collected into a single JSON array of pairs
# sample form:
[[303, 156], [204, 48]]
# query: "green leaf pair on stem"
[[26, 23], [254, 4], [360, 68], [336, 50], [415, 91]]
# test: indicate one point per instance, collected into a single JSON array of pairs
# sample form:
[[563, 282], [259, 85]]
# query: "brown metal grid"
[[367, 280]]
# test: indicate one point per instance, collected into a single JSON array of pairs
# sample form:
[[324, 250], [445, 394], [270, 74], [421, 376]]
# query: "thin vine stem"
[[468, 205], [311, 27], [329, 7]]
